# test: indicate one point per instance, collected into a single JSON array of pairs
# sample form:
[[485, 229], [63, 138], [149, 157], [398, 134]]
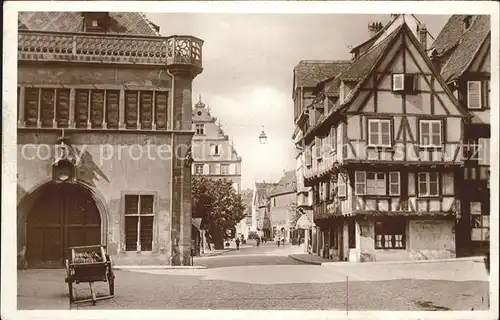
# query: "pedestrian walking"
[[237, 243], [258, 241]]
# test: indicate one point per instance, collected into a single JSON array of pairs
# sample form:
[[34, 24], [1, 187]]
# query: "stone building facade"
[[283, 205], [214, 155], [104, 128]]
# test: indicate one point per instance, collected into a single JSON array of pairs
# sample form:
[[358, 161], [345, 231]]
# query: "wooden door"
[[64, 215]]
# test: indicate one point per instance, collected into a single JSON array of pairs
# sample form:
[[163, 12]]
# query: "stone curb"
[[304, 260], [338, 263], [342, 263], [161, 267]]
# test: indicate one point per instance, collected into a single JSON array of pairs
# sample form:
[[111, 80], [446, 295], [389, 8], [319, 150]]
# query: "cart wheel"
[[70, 282]]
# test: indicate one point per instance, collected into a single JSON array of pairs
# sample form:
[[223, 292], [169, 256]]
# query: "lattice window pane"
[[161, 99], [131, 98], [112, 108], [146, 107], [81, 108], [47, 107], [31, 106], [96, 108], [62, 108]]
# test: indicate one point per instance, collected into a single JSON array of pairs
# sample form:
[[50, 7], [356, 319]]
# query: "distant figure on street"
[[278, 241], [258, 241], [237, 243]]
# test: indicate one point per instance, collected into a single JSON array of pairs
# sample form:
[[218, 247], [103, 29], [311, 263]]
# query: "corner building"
[[384, 155], [103, 103]]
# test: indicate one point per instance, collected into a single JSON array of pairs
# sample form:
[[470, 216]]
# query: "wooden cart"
[[89, 264]]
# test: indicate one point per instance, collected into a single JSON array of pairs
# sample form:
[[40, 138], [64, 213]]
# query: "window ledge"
[[383, 148], [430, 148], [429, 197]]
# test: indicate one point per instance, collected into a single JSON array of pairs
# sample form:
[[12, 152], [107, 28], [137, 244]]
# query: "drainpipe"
[[171, 113]]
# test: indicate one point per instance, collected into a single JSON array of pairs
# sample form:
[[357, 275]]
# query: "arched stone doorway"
[[62, 215]]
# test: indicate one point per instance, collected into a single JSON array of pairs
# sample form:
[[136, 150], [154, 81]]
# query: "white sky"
[[248, 62]]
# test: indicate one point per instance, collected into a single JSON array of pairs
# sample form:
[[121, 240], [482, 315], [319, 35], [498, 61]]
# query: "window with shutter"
[[428, 184], [112, 108], [139, 221], [81, 108], [474, 94], [198, 169], [398, 82], [308, 156], [62, 108], [360, 182], [390, 234], [161, 98], [97, 108], [484, 152], [146, 109], [486, 94], [47, 107], [342, 186], [379, 133], [131, 99], [394, 184], [430, 133]]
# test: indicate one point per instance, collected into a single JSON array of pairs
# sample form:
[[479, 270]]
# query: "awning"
[[196, 222], [303, 222]]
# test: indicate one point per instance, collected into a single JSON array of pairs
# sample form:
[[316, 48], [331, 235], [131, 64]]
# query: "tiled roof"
[[287, 184], [358, 71], [308, 73], [121, 22], [464, 44], [362, 66]]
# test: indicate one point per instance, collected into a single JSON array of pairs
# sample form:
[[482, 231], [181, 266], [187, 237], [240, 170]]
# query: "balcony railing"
[[109, 48]]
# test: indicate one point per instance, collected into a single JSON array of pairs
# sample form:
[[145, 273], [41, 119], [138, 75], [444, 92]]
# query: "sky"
[[247, 77]]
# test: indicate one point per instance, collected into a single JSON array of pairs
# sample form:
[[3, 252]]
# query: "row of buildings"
[[393, 145], [273, 209]]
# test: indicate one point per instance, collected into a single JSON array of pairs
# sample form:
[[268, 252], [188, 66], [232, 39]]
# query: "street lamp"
[[263, 137]]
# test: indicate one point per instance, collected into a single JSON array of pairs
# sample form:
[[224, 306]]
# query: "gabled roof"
[[261, 191], [370, 63], [463, 45], [287, 184], [308, 73], [121, 22]]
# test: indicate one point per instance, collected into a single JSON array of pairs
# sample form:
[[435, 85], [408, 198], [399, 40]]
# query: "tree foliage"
[[217, 203]]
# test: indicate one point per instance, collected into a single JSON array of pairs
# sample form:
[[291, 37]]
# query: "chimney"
[[422, 35], [374, 28]]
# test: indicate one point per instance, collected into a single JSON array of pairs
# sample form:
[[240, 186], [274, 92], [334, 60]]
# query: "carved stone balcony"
[[109, 48]]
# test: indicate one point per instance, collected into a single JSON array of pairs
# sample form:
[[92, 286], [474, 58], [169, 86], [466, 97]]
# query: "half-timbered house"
[[462, 54], [103, 100], [384, 157]]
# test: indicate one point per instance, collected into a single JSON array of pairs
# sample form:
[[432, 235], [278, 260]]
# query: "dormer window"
[[404, 82], [95, 21]]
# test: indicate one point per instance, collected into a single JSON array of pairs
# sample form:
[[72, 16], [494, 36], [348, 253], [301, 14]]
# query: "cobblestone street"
[[266, 278]]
